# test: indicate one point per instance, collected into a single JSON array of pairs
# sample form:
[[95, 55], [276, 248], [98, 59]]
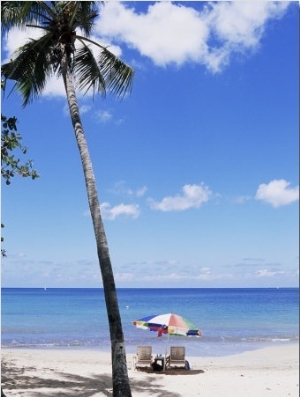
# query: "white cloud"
[[54, 88], [268, 273], [84, 109], [141, 191], [166, 33], [111, 213], [242, 23], [169, 33], [193, 196], [18, 37], [277, 193], [103, 116], [120, 188]]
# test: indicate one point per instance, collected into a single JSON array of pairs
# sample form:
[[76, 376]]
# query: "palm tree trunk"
[[121, 386]]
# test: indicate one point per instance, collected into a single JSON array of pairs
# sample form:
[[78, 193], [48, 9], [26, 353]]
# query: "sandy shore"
[[269, 372]]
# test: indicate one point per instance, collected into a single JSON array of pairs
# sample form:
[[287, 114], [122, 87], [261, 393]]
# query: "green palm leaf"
[[117, 74], [87, 72], [31, 68], [59, 19], [19, 13], [83, 15]]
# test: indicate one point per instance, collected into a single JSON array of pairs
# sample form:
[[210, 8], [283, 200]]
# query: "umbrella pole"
[[166, 353], [167, 344]]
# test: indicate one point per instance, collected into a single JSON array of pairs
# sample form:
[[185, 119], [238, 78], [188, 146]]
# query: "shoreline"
[[269, 371], [231, 349]]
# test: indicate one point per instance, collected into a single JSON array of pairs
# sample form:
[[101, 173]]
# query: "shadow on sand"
[[66, 385], [172, 371]]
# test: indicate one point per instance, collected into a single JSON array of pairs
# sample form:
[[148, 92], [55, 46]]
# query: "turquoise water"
[[232, 320]]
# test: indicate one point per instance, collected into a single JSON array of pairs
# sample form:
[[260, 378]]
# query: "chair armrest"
[[167, 361], [134, 360]]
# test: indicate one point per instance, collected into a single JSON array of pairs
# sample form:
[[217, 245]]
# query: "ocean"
[[231, 320]]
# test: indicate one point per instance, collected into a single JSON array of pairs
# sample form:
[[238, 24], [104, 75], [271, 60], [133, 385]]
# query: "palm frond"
[[31, 68], [19, 13], [87, 72], [37, 59], [83, 16], [117, 74], [107, 73]]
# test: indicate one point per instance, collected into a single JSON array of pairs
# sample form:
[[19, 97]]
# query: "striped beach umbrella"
[[169, 323]]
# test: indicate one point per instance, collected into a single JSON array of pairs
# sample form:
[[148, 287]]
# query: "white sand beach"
[[268, 372]]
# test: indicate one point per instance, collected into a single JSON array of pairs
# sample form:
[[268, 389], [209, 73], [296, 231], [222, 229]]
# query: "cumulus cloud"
[[18, 37], [171, 33], [112, 213], [161, 33], [242, 23], [193, 196], [277, 193]]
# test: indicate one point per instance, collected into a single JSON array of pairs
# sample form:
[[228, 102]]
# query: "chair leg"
[[134, 363]]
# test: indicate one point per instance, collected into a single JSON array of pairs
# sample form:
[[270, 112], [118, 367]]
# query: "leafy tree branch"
[[10, 142], [10, 163]]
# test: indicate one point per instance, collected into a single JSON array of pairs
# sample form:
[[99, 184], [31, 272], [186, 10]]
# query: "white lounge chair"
[[176, 357], [143, 357]]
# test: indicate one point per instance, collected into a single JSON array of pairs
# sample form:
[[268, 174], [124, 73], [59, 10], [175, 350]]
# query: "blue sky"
[[197, 170]]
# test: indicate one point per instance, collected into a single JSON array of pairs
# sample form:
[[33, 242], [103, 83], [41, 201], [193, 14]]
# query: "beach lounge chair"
[[176, 357], [143, 357]]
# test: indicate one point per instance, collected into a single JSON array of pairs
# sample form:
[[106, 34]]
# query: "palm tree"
[[61, 24]]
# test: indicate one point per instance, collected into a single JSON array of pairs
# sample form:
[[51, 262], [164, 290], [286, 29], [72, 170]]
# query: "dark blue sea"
[[232, 320]]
